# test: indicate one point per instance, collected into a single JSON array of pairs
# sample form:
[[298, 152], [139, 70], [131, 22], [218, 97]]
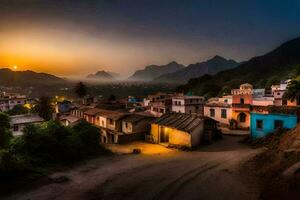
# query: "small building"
[[79, 111], [18, 122], [135, 127], [219, 109], [90, 115], [266, 119], [181, 129], [9, 100], [69, 120], [188, 104], [161, 106], [241, 100]]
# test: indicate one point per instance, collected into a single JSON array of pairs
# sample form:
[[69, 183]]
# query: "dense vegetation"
[[262, 71], [45, 146]]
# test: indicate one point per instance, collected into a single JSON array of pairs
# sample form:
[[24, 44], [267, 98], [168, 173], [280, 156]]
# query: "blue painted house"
[[266, 119]]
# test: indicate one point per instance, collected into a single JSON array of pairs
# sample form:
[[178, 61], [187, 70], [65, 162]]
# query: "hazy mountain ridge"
[[27, 78], [153, 71], [280, 62], [211, 66], [101, 76]]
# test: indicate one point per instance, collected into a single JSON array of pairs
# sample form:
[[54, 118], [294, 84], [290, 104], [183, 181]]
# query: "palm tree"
[[293, 90], [81, 90], [45, 108]]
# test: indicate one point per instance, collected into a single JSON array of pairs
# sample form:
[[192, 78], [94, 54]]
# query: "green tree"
[[18, 110], [81, 90], [112, 98], [5, 133], [293, 90], [45, 108], [274, 80]]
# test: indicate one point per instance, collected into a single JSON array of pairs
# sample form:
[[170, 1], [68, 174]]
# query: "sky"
[[74, 38]]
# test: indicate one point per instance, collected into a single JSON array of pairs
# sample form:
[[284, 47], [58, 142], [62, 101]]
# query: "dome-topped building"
[[246, 86]]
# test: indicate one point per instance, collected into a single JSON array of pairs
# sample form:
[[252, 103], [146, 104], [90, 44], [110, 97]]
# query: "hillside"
[[277, 64], [101, 76], [27, 78], [153, 71], [211, 66]]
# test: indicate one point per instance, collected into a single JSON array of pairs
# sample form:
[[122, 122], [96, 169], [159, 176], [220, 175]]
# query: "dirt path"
[[209, 173]]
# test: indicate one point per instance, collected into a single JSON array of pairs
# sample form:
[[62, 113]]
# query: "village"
[[192, 135], [171, 119]]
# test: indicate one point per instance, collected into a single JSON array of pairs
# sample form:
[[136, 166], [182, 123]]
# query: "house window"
[[224, 113], [110, 121], [212, 112], [259, 124], [242, 101], [197, 107], [278, 124], [242, 117], [16, 128], [126, 124], [226, 100]]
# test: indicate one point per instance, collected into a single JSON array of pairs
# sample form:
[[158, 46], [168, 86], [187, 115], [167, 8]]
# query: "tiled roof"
[[25, 119], [136, 118], [92, 111], [69, 118], [179, 121], [111, 114]]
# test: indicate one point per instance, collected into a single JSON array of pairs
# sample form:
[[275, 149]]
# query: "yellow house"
[[179, 129]]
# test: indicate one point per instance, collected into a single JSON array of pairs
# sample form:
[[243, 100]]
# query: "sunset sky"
[[74, 38]]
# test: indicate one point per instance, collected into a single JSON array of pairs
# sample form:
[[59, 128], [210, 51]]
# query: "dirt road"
[[209, 173]]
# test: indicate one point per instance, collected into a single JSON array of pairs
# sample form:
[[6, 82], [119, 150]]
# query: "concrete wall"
[[289, 121], [218, 111]]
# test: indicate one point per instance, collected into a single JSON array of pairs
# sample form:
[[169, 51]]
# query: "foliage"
[[293, 90], [112, 97], [5, 133], [45, 108], [274, 80], [18, 110], [50, 144], [81, 90]]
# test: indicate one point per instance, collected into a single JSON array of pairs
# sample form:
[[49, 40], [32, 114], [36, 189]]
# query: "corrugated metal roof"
[[179, 121]]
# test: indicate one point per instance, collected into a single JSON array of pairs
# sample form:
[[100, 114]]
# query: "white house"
[[219, 109], [188, 104], [18, 122]]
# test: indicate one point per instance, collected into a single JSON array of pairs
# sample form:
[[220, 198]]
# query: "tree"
[[18, 110], [112, 98], [81, 90], [45, 108], [5, 133], [293, 90]]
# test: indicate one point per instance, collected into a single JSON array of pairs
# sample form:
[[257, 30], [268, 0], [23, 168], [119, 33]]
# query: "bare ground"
[[212, 172]]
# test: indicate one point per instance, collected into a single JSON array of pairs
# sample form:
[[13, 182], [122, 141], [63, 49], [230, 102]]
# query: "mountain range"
[[211, 66], [151, 72], [279, 64], [103, 76], [27, 78]]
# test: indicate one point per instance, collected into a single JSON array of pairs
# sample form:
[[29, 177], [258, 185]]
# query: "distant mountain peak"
[[210, 66], [151, 72], [217, 57], [101, 75]]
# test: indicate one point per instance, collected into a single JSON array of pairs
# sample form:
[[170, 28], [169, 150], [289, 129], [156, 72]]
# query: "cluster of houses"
[[173, 119], [261, 111]]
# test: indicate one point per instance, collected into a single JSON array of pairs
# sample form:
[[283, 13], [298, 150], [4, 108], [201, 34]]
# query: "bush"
[[50, 144]]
